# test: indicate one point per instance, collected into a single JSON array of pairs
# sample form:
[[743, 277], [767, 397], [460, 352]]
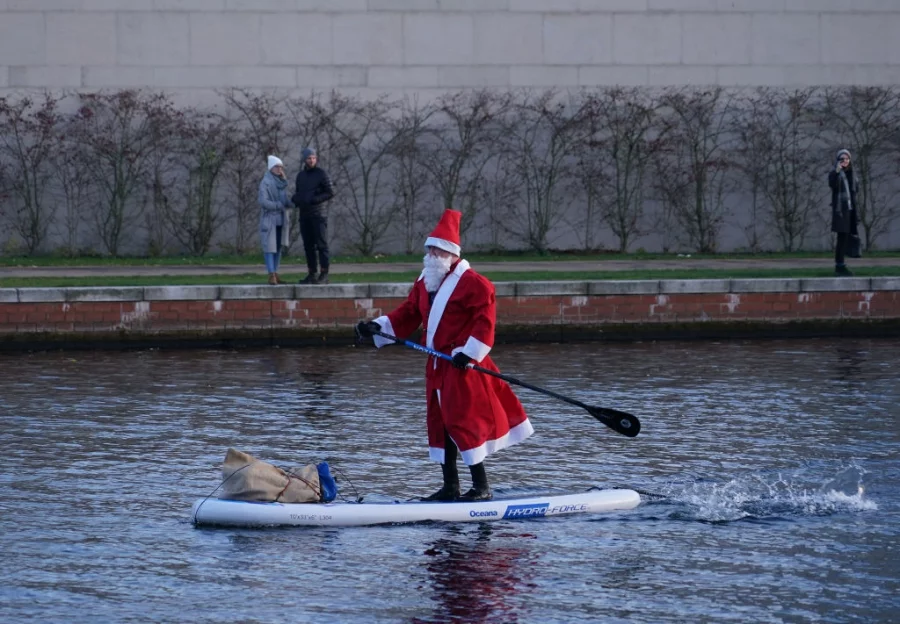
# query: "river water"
[[769, 472]]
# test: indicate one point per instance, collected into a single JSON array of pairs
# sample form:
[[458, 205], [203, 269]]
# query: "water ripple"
[[769, 471]]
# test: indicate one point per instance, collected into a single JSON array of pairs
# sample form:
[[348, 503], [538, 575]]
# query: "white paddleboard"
[[215, 511]]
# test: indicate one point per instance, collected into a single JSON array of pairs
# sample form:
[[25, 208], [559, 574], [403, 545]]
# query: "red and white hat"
[[446, 235]]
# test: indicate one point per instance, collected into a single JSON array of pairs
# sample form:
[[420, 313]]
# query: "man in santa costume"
[[471, 412]]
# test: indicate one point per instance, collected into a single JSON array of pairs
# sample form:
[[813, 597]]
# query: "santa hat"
[[274, 161], [446, 235]]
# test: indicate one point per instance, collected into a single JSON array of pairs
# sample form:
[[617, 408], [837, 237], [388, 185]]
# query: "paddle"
[[618, 421]]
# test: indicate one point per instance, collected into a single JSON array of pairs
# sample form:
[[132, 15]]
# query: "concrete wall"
[[193, 47]]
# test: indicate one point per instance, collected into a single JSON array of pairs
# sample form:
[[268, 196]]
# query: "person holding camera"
[[844, 191]]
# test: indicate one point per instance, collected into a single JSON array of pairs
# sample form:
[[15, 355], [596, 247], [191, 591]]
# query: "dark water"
[[774, 468]]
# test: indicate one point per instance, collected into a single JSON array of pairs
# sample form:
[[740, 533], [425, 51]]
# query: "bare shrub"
[[362, 139], [119, 133], [465, 129], [613, 161], [195, 215], [779, 151], [691, 172], [541, 135], [77, 191], [411, 181], [265, 114], [28, 137]]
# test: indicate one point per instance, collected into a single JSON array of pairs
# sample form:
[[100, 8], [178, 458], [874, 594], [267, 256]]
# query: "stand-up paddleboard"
[[215, 511]]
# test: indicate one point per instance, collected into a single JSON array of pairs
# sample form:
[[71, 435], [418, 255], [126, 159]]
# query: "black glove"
[[461, 361], [367, 329]]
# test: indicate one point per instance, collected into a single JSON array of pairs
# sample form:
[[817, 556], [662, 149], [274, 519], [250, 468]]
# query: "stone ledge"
[[835, 284], [401, 290], [886, 283], [9, 295], [104, 293], [694, 287], [548, 289], [250, 291], [332, 291], [624, 287], [42, 295], [765, 285], [505, 289], [390, 291], [181, 293]]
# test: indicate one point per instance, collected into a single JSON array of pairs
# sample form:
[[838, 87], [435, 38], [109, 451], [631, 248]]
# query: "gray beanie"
[[307, 152], [843, 152]]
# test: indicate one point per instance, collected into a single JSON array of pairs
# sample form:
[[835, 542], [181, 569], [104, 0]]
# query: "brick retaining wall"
[[167, 315]]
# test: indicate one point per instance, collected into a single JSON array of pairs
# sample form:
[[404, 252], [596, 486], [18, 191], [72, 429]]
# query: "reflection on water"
[[773, 470], [473, 578]]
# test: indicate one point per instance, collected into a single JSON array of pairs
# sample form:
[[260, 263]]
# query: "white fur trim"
[[436, 454], [440, 301], [476, 349], [517, 434], [387, 328], [440, 243]]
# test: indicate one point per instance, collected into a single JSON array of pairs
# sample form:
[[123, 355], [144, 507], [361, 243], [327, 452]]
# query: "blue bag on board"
[[326, 482]]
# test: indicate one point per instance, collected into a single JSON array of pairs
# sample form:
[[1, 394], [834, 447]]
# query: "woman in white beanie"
[[274, 224]]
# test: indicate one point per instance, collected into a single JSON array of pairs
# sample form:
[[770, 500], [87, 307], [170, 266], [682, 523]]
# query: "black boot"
[[450, 490], [323, 278], [309, 279], [480, 491], [841, 270]]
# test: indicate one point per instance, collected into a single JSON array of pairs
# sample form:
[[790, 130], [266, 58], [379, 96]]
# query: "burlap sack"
[[246, 478]]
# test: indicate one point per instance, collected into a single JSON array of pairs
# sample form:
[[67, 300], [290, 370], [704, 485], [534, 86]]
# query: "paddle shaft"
[[618, 421]]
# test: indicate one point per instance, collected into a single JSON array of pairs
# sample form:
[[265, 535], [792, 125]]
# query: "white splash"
[[772, 496]]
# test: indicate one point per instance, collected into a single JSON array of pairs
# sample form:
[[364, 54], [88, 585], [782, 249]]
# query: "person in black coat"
[[844, 189], [312, 193]]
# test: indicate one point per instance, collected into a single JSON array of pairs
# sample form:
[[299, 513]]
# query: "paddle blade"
[[620, 422]]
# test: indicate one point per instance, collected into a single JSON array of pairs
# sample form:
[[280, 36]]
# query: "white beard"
[[435, 271]]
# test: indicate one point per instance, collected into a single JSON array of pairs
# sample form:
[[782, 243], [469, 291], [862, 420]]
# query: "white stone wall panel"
[[647, 39], [402, 77], [81, 38], [716, 39], [368, 39], [860, 39], [578, 39], [22, 39], [613, 75], [329, 77], [438, 39], [414, 46], [504, 39], [160, 38], [225, 39], [296, 39], [781, 39], [543, 76], [47, 76]]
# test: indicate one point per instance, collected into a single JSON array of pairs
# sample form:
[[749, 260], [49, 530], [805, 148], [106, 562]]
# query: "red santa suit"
[[481, 413]]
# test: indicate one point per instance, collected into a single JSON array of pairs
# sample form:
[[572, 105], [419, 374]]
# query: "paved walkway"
[[511, 267]]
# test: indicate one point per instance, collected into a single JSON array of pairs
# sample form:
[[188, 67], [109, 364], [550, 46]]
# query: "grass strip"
[[256, 259]]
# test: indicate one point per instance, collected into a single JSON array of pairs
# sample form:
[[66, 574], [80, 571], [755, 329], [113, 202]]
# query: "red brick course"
[[588, 310]]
